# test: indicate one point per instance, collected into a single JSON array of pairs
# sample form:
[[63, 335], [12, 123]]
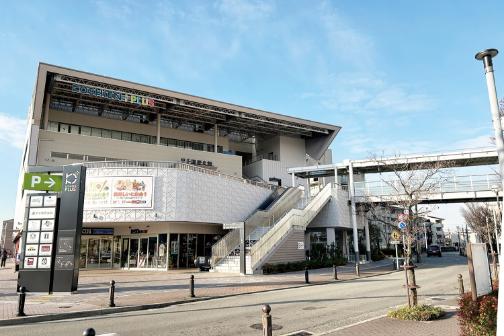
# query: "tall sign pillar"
[[66, 266]]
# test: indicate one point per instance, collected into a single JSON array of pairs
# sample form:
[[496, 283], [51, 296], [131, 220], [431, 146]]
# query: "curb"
[[115, 310]]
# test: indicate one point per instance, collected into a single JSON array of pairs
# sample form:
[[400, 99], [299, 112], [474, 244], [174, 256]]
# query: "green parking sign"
[[42, 182]]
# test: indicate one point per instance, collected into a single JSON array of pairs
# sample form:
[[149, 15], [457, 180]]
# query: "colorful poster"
[[133, 192], [48, 225], [44, 262], [34, 225], [174, 247], [31, 250]]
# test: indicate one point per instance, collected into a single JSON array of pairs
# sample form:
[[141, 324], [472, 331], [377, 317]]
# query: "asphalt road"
[[315, 308]]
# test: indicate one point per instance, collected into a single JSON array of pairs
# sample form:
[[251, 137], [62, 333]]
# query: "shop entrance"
[[144, 252], [97, 252]]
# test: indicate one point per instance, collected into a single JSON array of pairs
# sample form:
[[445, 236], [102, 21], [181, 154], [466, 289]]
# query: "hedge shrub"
[[479, 317], [300, 265], [417, 313]]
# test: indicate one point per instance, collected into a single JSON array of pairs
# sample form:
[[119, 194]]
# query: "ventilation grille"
[[81, 157]]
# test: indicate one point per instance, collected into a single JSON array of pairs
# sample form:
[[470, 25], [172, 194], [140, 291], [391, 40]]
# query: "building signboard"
[[124, 192], [197, 162], [232, 226], [41, 182], [97, 232], [99, 92]]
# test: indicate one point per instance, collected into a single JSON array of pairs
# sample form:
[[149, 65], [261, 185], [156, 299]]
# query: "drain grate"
[[259, 326], [301, 333]]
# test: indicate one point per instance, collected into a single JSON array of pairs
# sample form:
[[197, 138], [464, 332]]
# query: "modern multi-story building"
[[6, 236], [165, 170]]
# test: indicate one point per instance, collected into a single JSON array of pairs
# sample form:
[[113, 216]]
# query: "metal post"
[[396, 257], [357, 269], [460, 284], [407, 284], [243, 251], [306, 275], [89, 332], [368, 239], [158, 130], [111, 294], [266, 320], [335, 273], [351, 186], [21, 302], [191, 287], [425, 236], [216, 132]]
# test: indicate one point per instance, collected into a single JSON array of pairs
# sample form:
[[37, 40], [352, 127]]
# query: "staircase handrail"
[[295, 217], [279, 206]]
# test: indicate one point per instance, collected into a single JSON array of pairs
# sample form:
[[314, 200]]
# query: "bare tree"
[[480, 219], [410, 185]]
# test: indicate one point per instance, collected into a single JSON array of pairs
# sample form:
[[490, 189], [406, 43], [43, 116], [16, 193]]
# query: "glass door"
[[142, 260], [93, 255], [183, 251], [125, 253], [174, 250], [117, 252], [134, 249], [83, 253], [191, 249], [106, 253], [153, 252]]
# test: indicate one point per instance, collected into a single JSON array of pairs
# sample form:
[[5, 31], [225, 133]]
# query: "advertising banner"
[[120, 192]]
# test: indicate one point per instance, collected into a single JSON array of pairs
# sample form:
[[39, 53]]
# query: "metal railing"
[[227, 244], [295, 217], [272, 157], [442, 185], [172, 165]]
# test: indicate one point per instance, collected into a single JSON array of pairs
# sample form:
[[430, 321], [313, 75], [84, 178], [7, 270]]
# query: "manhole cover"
[[65, 307], [313, 308], [259, 326], [301, 333]]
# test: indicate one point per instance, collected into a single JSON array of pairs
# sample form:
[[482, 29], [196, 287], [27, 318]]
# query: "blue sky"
[[396, 75]]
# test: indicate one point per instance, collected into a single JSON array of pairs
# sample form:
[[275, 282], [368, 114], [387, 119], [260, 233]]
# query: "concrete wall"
[[288, 251], [336, 213]]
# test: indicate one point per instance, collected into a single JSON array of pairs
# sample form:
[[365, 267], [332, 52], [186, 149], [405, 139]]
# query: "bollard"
[[89, 332], [357, 270], [266, 320], [306, 275], [191, 286], [460, 284], [335, 273], [111, 294], [21, 302]]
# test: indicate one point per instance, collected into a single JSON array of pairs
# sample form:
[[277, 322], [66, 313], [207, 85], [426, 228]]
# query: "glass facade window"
[[174, 250], [106, 134], [117, 252], [96, 132], [198, 146], [106, 253], [74, 129], [116, 135], [93, 253], [162, 251], [52, 126], [85, 130], [64, 128], [126, 136]]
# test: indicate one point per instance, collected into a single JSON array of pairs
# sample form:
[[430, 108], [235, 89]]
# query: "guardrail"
[[266, 217], [444, 185], [295, 217], [172, 165]]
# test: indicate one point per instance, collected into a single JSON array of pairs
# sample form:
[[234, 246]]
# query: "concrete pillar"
[[46, 111], [335, 175], [307, 243], [331, 235], [293, 180], [344, 242], [254, 149], [368, 240], [216, 132], [351, 187], [158, 131]]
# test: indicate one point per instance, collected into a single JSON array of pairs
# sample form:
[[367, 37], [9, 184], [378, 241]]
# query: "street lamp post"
[[495, 188], [459, 243]]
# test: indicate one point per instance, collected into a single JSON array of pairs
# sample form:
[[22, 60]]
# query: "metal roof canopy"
[[179, 109], [481, 157]]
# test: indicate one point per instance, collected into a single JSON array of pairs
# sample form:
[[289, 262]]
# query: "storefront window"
[[162, 251], [174, 250], [191, 249], [117, 252], [142, 259], [153, 252], [124, 254], [85, 130], [93, 255], [183, 251], [74, 129], [133, 253]]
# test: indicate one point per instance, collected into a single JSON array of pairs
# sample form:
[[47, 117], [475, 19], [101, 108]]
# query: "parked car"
[[433, 249]]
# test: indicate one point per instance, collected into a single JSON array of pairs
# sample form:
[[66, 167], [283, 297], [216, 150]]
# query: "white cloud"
[[12, 130], [245, 10], [113, 10]]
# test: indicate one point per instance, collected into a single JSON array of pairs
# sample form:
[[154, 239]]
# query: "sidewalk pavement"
[[385, 326], [137, 288]]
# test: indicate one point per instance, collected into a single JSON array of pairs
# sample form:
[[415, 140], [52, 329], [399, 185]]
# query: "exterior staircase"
[[267, 235]]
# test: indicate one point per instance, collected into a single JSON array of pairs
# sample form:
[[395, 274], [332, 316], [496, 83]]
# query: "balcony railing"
[[272, 157]]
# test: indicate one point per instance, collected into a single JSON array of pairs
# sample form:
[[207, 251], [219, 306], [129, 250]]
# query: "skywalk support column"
[[351, 187], [331, 235], [293, 182], [216, 131], [368, 240], [158, 132]]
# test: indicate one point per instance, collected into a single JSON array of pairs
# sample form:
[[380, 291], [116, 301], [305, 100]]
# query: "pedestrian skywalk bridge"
[[453, 189]]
